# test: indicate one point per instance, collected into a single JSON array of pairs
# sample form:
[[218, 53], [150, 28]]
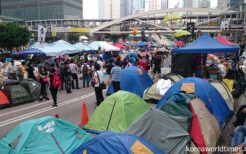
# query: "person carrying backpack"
[[55, 83], [85, 71]]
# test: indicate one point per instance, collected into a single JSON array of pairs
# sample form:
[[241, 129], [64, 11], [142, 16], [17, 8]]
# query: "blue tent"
[[206, 44], [110, 143], [29, 51], [131, 81], [141, 44], [210, 96]]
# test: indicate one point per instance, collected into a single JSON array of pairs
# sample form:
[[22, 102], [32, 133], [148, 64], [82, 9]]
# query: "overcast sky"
[[91, 7]]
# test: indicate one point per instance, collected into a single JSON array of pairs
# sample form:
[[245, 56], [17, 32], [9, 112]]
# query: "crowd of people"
[[85, 71]]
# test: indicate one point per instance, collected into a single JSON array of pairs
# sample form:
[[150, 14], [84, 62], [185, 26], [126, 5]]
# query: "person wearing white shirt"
[[74, 70]]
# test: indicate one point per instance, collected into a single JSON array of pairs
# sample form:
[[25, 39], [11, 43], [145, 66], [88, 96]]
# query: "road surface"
[[69, 108]]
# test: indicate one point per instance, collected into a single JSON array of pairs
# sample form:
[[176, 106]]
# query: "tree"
[[12, 36]]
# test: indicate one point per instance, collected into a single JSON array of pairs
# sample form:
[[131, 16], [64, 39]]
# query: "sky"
[[91, 7]]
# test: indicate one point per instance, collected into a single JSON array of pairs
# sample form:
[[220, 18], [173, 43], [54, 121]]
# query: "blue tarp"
[[83, 47], [131, 81], [29, 51], [204, 90], [112, 143], [206, 44], [141, 44]]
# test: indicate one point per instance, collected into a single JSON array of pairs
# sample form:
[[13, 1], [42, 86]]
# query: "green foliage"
[[12, 36]]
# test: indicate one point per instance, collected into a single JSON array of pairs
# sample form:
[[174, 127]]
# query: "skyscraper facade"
[[151, 5], [113, 9], [222, 4], [42, 9], [187, 3], [201, 3]]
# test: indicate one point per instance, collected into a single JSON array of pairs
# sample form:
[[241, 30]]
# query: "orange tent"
[[3, 99]]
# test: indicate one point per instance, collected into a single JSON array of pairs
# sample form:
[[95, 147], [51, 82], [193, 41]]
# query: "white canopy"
[[104, 46]]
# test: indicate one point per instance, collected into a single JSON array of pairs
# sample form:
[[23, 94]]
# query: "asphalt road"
[[69, 108]]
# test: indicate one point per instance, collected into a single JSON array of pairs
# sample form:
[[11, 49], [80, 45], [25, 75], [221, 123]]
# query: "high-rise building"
[[42, 9], [201, 3], [113, 9], [164, 4], [187, 3], [222, 4], [237, 5], [150, 5]]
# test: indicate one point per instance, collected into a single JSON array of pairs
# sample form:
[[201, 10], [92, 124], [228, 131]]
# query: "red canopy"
[[222, 40], [120, 45]]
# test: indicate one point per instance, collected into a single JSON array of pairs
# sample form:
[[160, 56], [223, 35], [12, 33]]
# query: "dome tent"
[[44, 135], [133, 80], [204, 90], [117, 112], [109, 142]]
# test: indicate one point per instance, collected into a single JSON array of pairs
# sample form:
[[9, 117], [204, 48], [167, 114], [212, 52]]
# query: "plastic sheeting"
[[103, 45]]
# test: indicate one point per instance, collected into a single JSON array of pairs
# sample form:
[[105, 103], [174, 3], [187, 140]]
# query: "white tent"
[[104, 46], [57, 48]]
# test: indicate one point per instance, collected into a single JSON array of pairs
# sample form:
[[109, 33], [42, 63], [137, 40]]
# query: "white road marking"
[[36, 112], [22, 109]]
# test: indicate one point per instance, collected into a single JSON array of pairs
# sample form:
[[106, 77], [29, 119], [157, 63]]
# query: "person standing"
[[157, 65], [12, 71], [74, 70], [67, 77], [85, 71], [55, 82], [96, 77], [43, 79], [115, 75]]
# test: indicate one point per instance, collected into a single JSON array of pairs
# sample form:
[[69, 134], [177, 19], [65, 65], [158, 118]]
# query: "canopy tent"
[[117, 112], [30, 51], [83, 37], [120, 45], [162, 130], [57, 48], [112, 143], [47, 49], [141, 44], [64, 46], [44, 135], [83, 47], [205, 44], [204, 90], [134, 80], [103, 45], [222, 40]]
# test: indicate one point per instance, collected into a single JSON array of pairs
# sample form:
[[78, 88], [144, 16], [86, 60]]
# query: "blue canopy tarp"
[[30, 51], [204, 90], [83, 47], [110, 143], [141, 44], [132, 81], [206, 44]]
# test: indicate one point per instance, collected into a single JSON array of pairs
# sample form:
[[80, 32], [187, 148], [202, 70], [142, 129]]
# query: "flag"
[[41, 34]]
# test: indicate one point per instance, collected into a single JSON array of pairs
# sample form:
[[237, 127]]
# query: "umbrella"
[[182, 33], [180, 43], [140, 44], [83, 37], [30, 51], [171, 17]]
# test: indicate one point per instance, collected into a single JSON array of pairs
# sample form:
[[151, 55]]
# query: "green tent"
[[117, 112], [45, 135], [32, 87], [17, 94]]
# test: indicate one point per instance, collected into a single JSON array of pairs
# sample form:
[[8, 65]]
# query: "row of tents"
[[62, 47], [15, 92]]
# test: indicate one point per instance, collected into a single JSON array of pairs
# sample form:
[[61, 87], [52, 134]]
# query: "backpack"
[[56, 81], [85, 69]]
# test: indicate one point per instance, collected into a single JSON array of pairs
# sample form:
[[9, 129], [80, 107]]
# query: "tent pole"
[[111, 115]]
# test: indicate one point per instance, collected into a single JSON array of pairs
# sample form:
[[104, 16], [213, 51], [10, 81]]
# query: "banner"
[[41, 34]]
